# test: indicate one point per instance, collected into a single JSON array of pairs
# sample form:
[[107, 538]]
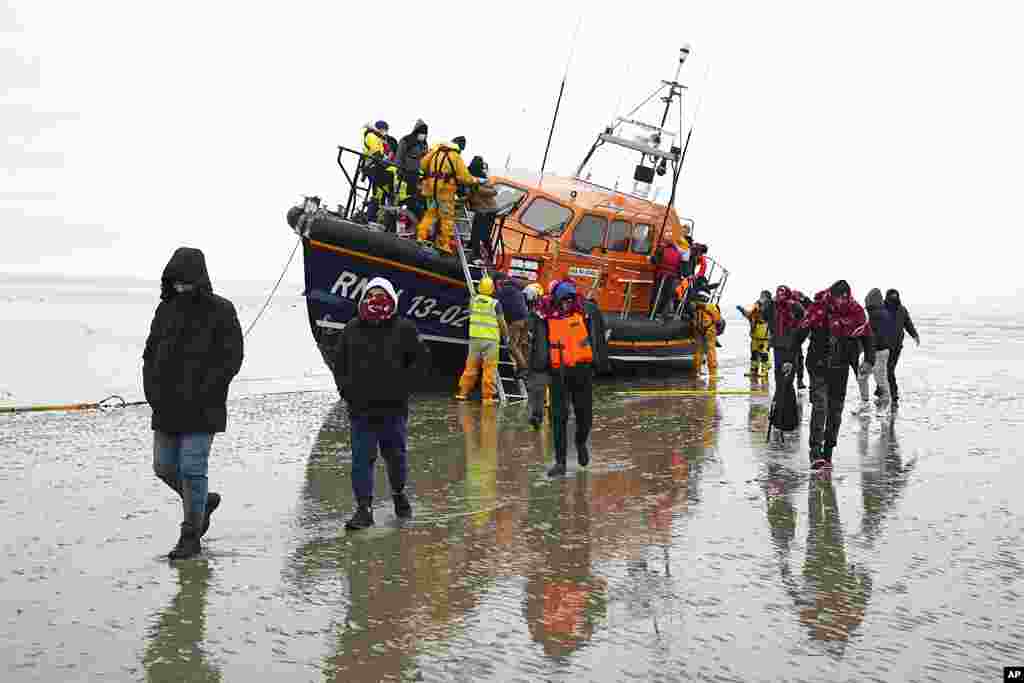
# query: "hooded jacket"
[[193, 351], [883, 325], [901, 318], [411, 149], [375, 364]]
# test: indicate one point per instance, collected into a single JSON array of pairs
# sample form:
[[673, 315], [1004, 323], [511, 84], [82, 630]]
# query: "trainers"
[[582, 454], [557, 470], [188, 544], [212, 503], [403, 510], [362, 519]]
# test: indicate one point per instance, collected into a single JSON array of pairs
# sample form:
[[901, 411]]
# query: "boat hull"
[[341, 257]]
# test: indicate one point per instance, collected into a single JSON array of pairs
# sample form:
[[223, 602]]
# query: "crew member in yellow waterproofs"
[[486, 329], [444, 170], [760, 336], [705, 327]]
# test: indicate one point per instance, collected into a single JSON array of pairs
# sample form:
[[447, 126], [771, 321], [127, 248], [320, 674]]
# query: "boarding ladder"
[[473, 273]]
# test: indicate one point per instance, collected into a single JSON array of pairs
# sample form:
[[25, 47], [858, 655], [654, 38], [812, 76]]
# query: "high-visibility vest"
[[483, 318], [569, 341], [758, 325]]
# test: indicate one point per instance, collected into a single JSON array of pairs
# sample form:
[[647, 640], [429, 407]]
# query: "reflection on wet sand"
[[835, 592], [174, 651], [484, 512], [832, 597]]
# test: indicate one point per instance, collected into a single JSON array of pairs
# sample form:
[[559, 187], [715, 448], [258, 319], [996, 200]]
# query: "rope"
[[113, 401], [274, 290]]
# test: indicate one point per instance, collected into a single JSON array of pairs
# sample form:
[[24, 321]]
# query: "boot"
[[212, 503], [188, 543], [582, 454], [535, 421], [558, 469], [403, 510], [363, 517]]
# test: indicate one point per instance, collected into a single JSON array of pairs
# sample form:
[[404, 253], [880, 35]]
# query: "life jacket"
[[684, 284], [569, 341], [483, 318], [702, 266]]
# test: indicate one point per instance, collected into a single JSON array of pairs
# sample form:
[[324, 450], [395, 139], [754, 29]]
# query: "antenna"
[[558, 103]]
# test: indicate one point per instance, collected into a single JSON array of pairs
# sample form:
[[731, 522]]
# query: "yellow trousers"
[[443, 210], [483, 355], [707, 348]]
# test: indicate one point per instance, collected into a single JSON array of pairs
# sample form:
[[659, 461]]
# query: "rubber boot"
[[188, 543], [212, 503], [363, 517], [582, 454], [403, 510]]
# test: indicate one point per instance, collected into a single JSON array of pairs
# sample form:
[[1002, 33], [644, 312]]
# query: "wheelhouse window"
[[589, 233], [546, 216], [618, 236], [507, 194], [643, 234]]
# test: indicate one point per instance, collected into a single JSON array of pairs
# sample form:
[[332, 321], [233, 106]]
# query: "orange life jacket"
[[569, 341]]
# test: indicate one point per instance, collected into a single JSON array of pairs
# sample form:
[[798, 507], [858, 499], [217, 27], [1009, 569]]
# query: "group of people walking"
[[843, 336]]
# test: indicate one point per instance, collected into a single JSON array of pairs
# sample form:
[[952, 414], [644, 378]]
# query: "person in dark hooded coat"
[[193, 351], [411, 149], [376, 362], [904, 326]]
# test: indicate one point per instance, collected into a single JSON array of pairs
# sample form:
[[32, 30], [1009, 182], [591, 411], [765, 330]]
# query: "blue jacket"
[[513, 301]]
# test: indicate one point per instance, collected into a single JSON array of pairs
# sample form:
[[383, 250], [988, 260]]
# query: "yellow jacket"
[[708, 316], [445, 169], [373, 142]]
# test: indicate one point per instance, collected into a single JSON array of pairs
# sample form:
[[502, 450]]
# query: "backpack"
[[785, 414]]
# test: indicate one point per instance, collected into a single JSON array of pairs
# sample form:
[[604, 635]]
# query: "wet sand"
[[690, 549]]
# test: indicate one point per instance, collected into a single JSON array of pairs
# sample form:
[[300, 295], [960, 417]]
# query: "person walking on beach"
[[903, 325], [838, 328], [565, 333], [376, 360], [193, 351], [883, 330]]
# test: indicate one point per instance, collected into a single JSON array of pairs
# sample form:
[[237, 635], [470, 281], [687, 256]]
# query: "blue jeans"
[[389, 433], [181, 461]]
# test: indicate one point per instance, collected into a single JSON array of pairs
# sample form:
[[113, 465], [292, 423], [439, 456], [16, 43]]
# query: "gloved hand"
[[740, 309], [917, 341], [787, 369]]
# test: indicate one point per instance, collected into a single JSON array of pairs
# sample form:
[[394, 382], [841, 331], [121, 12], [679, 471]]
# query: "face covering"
[[376, 307]]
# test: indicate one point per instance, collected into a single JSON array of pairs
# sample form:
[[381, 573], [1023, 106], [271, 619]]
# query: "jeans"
[[181, 461], [828, 394], [881, 372], [483, 227], [389, 433]]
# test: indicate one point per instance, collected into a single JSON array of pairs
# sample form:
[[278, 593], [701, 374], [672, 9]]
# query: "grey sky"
[[834, 140]]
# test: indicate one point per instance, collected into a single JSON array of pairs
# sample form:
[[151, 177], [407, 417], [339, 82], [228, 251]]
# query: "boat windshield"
[[507, 194], [546, 217]]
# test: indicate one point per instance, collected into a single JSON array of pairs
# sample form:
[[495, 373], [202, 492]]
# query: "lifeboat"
[[546, 228]]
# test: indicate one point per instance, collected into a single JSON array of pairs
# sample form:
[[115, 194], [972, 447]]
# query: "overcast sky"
[[876, 141]]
